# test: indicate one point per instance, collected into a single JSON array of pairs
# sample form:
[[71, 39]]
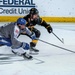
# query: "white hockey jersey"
[[12, 32]]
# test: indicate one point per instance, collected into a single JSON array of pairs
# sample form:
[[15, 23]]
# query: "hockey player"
[[33, 18], [9, 34]]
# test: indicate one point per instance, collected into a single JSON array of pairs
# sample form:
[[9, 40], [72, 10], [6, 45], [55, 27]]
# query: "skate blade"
[[27, 58], [2, 45]]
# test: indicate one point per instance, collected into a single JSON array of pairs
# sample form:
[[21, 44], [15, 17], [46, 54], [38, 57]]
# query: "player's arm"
[[47, 26], [44, 24], [17, 44], [29, 33]]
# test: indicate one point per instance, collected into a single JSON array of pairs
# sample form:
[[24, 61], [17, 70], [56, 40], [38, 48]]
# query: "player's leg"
[[33, 43], [5, 41], [21, 52]]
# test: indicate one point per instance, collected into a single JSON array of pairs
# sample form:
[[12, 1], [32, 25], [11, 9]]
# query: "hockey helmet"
[[21, 21], [34, 11]]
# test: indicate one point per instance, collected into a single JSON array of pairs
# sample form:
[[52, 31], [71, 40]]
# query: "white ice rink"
[[50, 60]]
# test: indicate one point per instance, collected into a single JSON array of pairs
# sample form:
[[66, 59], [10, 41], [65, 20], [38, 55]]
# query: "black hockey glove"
[[49, 29]]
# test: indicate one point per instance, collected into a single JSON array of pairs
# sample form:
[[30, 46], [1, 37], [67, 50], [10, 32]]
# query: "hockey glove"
[[33, 36], [49, 29], [25, 46]]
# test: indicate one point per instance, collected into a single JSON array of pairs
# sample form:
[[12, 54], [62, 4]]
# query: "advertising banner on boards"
[[16, 7]]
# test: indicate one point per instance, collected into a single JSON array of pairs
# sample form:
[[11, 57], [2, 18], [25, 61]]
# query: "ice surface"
[[50, 60]]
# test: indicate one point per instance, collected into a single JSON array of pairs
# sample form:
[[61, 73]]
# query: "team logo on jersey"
[[16, 31]]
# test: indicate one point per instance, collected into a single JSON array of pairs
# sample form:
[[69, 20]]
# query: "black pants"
[[37, 33]]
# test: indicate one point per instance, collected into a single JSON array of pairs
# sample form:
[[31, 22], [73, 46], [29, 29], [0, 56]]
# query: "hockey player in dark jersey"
[[33, 18], [9, 34]]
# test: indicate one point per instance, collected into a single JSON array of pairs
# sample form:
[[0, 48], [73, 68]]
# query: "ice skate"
[[25, 55], [28, 56], [34, 51]]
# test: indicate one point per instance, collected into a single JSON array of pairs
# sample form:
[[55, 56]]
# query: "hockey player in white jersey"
[[10, 33]]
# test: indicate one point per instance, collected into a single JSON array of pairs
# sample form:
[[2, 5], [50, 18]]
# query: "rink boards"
[[46, 18]]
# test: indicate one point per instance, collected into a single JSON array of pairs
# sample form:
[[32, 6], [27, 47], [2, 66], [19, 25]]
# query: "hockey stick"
[[39, 61], [58, 37], [57, 46]]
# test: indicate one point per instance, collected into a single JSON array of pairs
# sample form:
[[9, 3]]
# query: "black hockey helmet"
[[34, 11]]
